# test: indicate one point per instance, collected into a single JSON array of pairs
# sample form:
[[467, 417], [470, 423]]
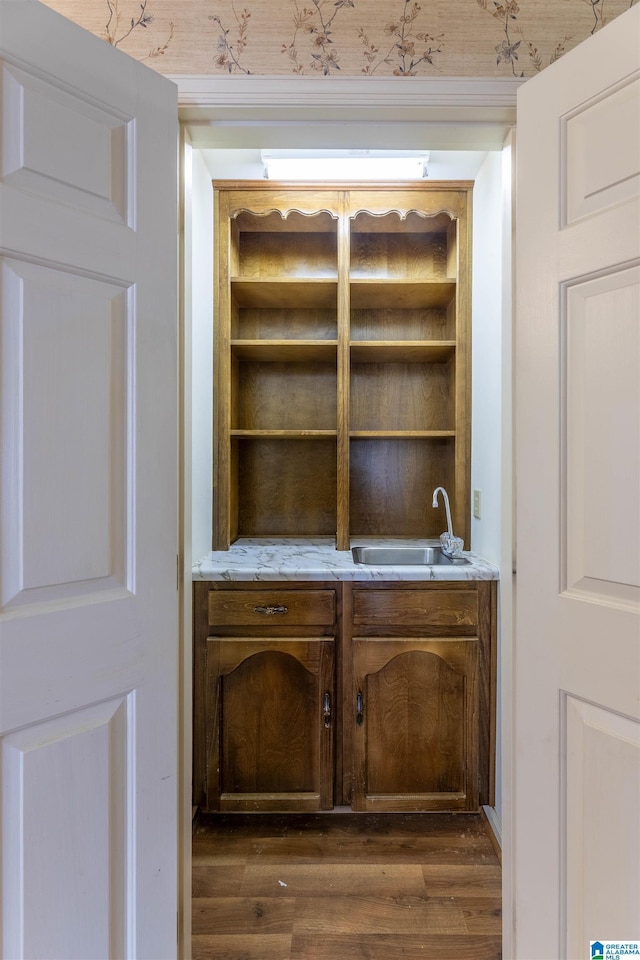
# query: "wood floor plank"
[[234, 915], [231, 850], [396, 948], [379, 915], [272, 947], [424, 849], [216, 880], [482, 915], [333, 880], [463, 880]]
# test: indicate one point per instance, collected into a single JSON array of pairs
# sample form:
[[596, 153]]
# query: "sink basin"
[[398, 556]]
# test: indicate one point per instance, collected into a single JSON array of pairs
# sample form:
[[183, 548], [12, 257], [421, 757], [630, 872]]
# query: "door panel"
[[88, 423], [415, 740], [577, 657], [66, 338], [602, 748], [600, 151], [66, 869], [600, 502], [50, 165], [270, 719]]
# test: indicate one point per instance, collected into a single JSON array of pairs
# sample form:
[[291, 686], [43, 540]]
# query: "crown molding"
[[363, 92], [240, 111]]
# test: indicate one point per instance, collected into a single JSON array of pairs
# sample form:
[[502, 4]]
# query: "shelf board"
[[400, 434], [402, 351], [285, 292], [402, 294], [285, 351], [283, 434]]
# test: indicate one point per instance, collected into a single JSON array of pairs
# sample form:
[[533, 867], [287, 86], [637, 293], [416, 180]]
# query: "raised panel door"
[[270, 724], [415, 735]]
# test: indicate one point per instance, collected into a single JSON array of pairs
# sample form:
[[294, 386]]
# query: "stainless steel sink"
[[397, 556]]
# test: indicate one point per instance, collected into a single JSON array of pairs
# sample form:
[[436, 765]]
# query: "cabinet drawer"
[[414, 608], [253, 607]]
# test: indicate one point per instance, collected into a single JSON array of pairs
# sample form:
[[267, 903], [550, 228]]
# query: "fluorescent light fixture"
[[345, 164]]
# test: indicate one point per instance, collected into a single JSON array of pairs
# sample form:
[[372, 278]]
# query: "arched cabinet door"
[[270, 732], [415, 704]]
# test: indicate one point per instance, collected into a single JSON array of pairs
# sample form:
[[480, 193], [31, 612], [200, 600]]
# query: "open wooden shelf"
[[400, 434], [284, 351], [402, 351], [285, 292], [284, 434], [342, 378], [401, 294]]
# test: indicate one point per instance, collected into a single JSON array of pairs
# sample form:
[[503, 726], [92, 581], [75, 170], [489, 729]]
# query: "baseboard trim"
[[493, 826]]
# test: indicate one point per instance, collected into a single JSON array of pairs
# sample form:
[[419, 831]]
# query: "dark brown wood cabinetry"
[[270, 704], [375, 695], [422, 657], [264, 697]]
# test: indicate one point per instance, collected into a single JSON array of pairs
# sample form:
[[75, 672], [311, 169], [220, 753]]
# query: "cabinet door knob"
[[271, 611], [326, 713], [359, 708]]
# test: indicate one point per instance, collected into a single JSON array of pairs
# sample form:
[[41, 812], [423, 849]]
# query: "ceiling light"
[[344, 165]]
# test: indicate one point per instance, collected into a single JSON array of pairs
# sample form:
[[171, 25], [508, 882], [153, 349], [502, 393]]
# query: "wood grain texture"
[[450, 605], [286, 488], [256, 607], [293, 396], [390, 482], [345, 887], [401, 396], [263, 255], [269, 746], [243, 947], [403, 256], [280, 323], [416, 745], [412, 323]]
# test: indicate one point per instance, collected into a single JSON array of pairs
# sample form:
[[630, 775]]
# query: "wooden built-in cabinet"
[[264, 697], [341, 400], [378, 695], [342, 368], [422, 661]]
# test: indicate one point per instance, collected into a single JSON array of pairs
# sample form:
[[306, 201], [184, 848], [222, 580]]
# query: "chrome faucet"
[[451, 546]]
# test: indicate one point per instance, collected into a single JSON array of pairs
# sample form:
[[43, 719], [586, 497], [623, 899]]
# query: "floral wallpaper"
[[402, 38]]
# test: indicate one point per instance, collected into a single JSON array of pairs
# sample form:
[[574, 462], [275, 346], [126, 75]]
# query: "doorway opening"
[[231, 150]]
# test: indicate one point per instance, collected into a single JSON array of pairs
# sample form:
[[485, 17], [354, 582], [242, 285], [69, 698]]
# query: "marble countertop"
[[316, 558]]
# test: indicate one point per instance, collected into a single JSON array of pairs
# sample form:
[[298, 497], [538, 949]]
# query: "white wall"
[[491, 456], [201, 259], [486, 446]]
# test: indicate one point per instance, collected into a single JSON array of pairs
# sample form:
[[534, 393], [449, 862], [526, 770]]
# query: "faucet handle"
[[452, 547]]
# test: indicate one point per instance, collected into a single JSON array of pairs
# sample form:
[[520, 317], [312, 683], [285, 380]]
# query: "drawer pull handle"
[[326, 713], [271, 611], [359, 709]]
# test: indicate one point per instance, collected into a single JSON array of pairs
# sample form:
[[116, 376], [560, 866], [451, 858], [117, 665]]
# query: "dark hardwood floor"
[[345, 887]]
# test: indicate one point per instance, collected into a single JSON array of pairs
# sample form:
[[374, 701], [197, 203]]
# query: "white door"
[[88, 643], [577, 655]]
